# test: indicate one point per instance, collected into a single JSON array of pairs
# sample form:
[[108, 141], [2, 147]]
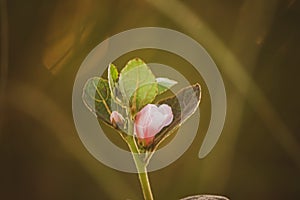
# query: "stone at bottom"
[[205, 197]]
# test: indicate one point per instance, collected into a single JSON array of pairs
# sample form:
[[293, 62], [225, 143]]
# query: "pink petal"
[[151, 120], [167, 111]]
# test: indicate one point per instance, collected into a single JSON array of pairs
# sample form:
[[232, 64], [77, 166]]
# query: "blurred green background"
[[256, 46]]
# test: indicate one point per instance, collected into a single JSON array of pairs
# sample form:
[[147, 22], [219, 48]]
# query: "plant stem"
[[141, 167], [144, 181]]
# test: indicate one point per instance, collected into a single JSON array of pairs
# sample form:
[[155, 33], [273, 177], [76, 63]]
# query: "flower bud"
[[150, 120], [116, 119]]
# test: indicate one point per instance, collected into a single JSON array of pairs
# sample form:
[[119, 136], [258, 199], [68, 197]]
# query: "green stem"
[[144, 181], [141, 167]]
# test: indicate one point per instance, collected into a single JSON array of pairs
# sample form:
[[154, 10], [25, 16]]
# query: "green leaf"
[[137, 84], [142, 95], [113, 75], [164, 84], [183, 105], [96, 96]]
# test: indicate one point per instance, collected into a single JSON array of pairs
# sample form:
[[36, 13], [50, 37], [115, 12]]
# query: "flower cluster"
[[126, 101]]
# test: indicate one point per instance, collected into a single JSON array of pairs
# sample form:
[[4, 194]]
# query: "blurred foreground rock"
[[205, 197]]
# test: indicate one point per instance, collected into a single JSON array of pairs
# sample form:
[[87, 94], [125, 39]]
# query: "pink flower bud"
[[116, 118], [150, 120]]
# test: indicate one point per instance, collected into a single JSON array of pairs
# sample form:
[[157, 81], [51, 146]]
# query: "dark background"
[[255, 44]]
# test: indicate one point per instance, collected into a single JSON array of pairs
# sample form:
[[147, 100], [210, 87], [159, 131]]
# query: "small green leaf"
[[96, 96], [183, 105], [164, 84], [113, 75], [137, 84]]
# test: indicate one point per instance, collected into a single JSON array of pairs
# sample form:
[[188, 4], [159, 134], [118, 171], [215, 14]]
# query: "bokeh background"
[[256, 46]]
